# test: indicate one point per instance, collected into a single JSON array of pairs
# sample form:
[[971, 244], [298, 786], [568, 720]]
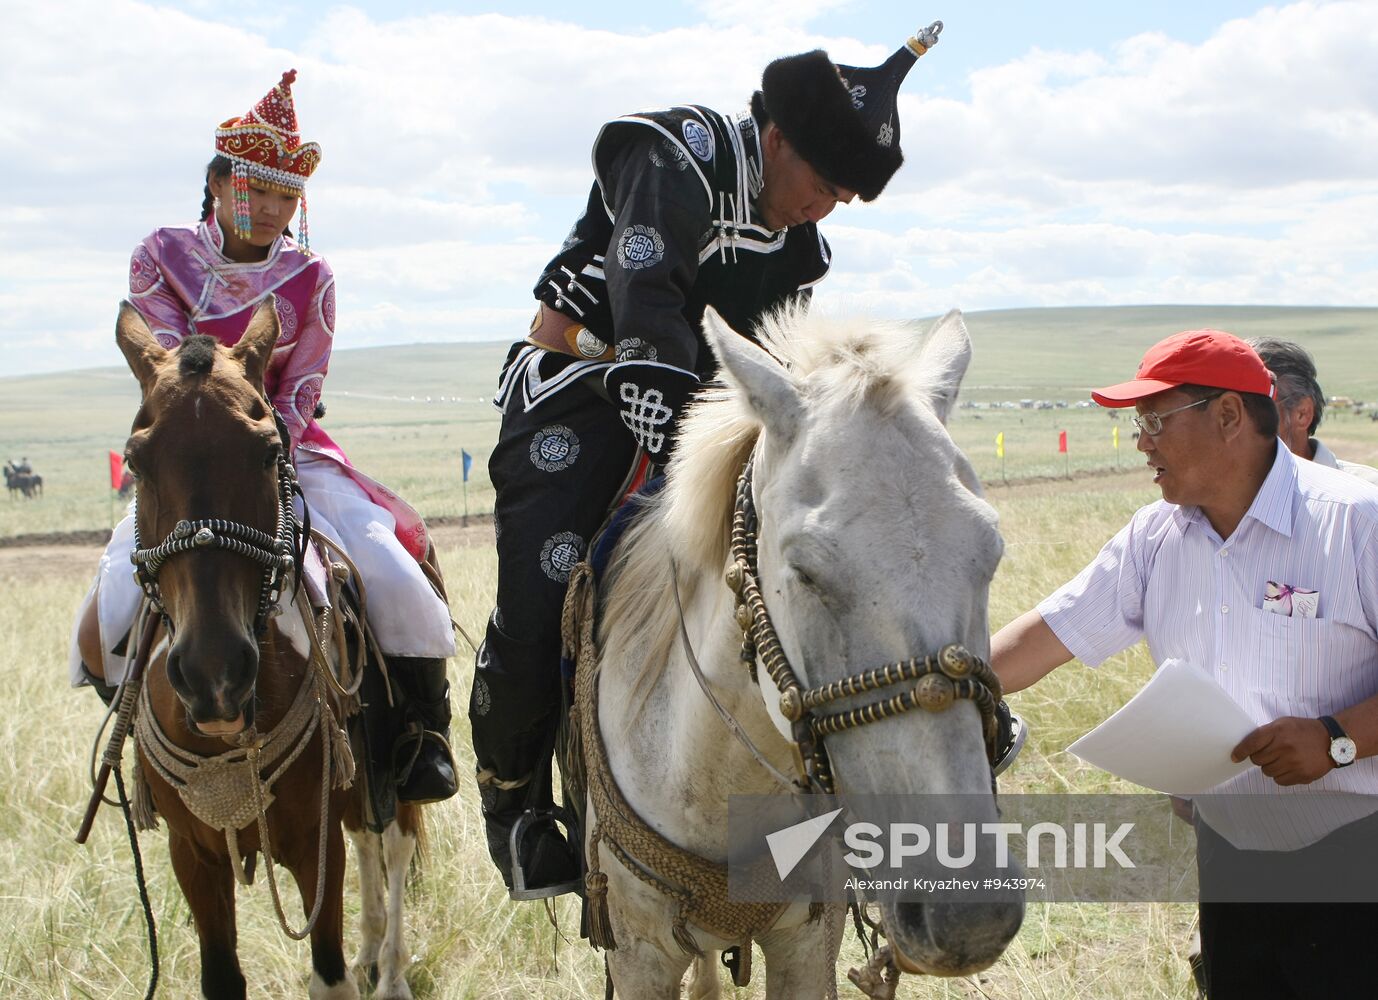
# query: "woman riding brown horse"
[[209, 278], [238, 732]]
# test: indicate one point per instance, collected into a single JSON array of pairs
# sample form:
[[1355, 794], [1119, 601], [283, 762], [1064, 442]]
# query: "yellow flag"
[[1115, 437], [1000, 445]]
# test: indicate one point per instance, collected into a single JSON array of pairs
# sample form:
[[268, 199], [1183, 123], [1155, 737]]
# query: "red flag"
[[1062, 442], [116, 470]]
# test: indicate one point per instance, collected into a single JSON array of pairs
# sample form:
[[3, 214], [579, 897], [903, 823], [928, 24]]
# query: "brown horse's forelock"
[[196, 356]]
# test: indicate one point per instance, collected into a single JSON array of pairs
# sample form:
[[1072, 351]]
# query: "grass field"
[[72, 919], [404, 413], [74, 926]]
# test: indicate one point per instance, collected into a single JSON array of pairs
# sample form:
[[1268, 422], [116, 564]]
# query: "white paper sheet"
[[1174, 736]]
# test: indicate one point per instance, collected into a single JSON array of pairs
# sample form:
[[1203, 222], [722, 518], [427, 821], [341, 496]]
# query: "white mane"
[[834, 361]]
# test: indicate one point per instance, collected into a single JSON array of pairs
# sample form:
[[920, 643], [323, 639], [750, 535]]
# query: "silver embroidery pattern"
[[700, 140], [640, 246], [483, 698], [554, 448], [645, 414], [673, 157], [636, 349], [886, 136], [560, 554]]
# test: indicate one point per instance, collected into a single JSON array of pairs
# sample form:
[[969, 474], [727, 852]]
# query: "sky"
[[1058, 153]]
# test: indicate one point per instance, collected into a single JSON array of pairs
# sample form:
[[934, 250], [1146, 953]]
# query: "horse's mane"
[[685, 528]]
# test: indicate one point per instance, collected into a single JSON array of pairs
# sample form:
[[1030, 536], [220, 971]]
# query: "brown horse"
[[215, 549]]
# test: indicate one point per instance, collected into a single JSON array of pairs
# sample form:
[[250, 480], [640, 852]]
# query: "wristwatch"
[[1342, 748]]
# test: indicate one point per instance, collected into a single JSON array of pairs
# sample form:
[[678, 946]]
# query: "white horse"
[[875, 545]]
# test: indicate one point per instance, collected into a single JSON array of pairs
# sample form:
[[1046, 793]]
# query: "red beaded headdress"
[[265, 144]]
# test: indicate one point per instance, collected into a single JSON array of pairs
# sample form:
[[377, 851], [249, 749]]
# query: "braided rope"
[[277, 553], [220, 804], [952, 674], [265, 844], [698, 886], [212, 787]]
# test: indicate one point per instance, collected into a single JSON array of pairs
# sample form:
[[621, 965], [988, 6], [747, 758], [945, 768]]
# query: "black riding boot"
[[422, 762], [106, 692], [519, 817], [1013, 731]]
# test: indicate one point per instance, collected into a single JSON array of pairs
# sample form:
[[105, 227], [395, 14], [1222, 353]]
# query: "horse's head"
[[875, 546], [205, 445]]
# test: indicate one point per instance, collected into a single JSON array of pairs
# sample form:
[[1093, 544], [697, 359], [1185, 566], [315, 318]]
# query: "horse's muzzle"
[[951, 939], [215, 683]]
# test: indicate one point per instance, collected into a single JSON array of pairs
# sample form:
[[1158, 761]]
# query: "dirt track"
[[59, 552], [77, 551]]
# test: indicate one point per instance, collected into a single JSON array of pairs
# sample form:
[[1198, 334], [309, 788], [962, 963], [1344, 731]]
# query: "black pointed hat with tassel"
[[842, 119]]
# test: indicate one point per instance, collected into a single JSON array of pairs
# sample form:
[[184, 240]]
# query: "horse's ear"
[[140, 348], [945, 356], [255, 348], [766, 385]]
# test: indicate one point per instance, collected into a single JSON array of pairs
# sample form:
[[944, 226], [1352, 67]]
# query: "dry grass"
[[75, 929]]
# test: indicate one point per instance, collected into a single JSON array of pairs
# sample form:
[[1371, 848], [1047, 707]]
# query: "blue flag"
[[468, 460]]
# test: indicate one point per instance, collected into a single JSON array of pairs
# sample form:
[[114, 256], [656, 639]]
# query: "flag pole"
[[464, 461]]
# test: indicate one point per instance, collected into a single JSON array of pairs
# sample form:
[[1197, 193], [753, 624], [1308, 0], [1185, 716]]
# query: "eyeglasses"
[[1152, 423]]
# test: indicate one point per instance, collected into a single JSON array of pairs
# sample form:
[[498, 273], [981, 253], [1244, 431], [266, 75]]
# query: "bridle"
[[278, 554], [932, 682]]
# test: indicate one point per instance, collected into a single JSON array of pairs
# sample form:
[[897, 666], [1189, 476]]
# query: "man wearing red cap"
[[1260, 569]]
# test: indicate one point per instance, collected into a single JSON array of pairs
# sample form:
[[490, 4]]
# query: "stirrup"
[[520, 890], [1019, 732]]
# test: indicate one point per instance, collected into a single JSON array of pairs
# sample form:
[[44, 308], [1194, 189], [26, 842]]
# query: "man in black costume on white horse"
[[689, 208]]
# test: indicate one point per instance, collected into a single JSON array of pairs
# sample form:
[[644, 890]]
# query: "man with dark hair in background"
[[1301, 404]]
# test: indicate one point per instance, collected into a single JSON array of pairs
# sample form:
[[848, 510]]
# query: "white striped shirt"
[[1169, 578], [1322, 455]]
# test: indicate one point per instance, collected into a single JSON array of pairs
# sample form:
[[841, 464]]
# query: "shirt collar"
[[1322, 455], [750, 128], [214, 237], [1273, 504]]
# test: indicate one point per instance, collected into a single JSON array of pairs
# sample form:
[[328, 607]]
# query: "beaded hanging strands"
[[243, 225], [265, 144], [303, 234]]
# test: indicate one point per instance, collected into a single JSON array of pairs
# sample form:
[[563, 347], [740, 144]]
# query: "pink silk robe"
[[182, 284]]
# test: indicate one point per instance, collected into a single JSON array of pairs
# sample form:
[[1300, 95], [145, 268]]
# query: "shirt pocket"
[[1294, 663]]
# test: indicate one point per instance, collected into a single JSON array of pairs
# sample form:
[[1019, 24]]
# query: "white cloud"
[[456, 156]]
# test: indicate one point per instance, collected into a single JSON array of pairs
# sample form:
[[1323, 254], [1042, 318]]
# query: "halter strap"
[[278, 554], [933, 682]]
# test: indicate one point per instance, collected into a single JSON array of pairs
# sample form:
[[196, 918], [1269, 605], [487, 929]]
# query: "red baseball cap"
[[1193, 357]]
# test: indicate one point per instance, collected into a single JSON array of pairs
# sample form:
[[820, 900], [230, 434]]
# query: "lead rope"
[[266, 847], [143, 886], [113, 754], [335, 754], [732, 725], [331, 737]]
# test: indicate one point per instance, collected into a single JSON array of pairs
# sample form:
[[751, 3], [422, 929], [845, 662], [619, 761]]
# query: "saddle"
[[377, 726]]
